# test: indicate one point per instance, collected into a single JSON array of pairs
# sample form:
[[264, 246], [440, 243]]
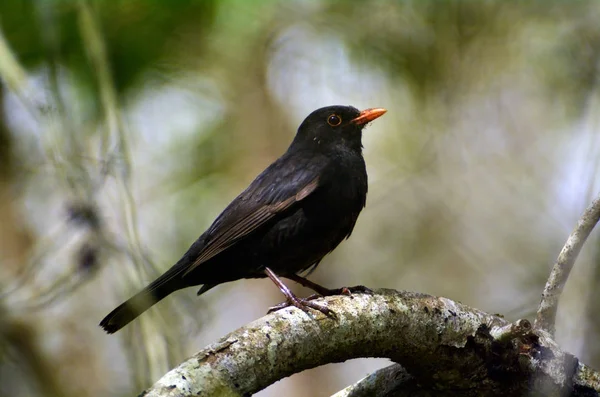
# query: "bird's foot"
[[292, 300], [304, 304]]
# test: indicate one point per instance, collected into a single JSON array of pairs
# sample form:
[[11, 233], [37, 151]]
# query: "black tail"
[[139, 303]]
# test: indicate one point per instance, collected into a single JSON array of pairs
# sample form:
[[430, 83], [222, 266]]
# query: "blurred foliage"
[[138, 34], [126, 127]]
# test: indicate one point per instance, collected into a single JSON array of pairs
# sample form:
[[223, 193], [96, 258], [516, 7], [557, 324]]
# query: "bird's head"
[[333, 126]]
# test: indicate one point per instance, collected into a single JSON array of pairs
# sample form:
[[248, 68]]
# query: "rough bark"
[[446, 347]]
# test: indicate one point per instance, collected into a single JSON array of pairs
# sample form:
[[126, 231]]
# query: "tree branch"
[[383, 382], [442, 343], [546, 314]]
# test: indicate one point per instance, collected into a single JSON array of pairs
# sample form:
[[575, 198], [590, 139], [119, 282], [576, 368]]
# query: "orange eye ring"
[[334, 120]]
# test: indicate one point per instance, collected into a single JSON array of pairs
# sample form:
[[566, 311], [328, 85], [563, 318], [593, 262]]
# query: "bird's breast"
[[335, 206], [316, 227]]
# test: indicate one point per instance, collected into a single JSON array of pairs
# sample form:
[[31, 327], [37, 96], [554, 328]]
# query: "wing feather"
[[240, 228]]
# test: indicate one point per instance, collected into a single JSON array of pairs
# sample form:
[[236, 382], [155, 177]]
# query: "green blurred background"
[[127, 126]]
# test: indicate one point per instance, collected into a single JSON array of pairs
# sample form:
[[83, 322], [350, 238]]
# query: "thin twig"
[[546, 315]]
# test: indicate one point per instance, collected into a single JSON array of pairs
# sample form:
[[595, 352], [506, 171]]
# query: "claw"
[[304, 304], [292, 300]]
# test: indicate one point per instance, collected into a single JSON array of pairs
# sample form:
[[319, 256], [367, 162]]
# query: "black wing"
[[283, 184]]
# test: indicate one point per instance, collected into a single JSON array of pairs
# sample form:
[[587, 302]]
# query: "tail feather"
[[171, 281], [136, 305]]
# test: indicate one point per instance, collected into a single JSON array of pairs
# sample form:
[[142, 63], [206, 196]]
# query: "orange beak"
[[368, 115]]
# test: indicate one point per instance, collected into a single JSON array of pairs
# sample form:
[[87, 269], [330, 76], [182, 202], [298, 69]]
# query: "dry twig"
[[546, 314]]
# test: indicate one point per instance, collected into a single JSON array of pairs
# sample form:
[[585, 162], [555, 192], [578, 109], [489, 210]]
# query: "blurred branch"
[[546, 315], [591, 353], [15, 77], [114, 125], [156, 349], [11, 71], [392, 379], [96, 49], [441, 343]]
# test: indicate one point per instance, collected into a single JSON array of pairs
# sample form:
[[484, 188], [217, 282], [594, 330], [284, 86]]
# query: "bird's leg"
[[319, 289], [300, 303]]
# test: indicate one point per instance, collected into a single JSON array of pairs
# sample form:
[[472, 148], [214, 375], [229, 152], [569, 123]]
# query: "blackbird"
[[292, 215]]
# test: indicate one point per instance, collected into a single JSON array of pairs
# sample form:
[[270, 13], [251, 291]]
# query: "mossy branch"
[[441, 343]]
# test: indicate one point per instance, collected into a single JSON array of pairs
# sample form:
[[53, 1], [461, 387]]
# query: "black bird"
[[292, 215]]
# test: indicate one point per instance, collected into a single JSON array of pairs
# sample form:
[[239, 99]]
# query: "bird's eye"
[[334, 120]]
